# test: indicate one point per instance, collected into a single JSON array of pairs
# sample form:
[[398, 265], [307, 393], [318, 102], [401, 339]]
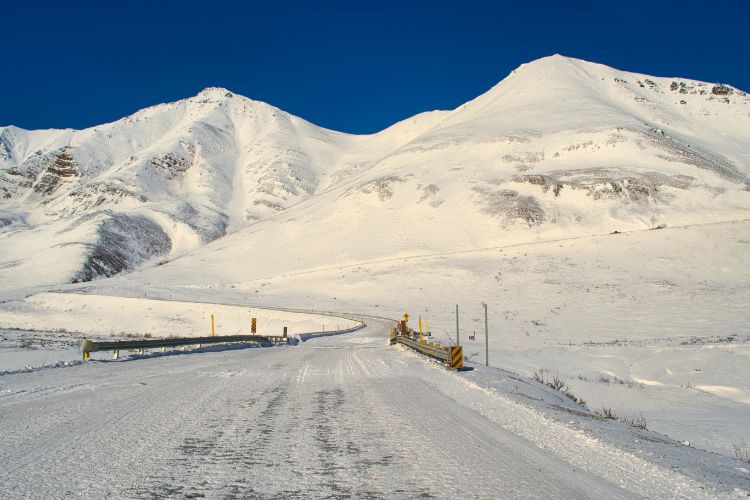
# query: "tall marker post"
[[486, 337], [212, 325], [458, 337]]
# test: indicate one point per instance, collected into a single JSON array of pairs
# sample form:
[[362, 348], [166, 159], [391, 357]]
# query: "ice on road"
[[345, 416]]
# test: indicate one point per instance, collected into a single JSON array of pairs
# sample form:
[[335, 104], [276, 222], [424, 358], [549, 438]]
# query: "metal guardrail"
[[89, 346], [328, 333], [450, 355]]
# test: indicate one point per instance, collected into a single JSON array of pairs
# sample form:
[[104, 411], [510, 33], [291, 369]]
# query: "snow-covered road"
[[332, 417]]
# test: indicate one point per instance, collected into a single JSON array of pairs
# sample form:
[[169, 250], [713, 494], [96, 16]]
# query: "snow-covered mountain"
[[560, 147]]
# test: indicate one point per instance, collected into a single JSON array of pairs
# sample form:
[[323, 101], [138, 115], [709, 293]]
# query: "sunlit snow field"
[[650, 322]]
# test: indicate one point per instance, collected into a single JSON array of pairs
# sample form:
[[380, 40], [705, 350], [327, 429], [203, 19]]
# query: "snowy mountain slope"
[[187, 167], [559, 147], [176, 175]]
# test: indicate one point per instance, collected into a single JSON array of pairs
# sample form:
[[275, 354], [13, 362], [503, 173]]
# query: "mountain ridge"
[[560, 144]]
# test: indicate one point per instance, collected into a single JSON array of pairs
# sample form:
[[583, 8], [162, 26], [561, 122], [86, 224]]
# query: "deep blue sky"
[[350, 66]]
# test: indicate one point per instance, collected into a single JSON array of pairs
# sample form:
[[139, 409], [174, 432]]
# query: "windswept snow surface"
[[337, 416]]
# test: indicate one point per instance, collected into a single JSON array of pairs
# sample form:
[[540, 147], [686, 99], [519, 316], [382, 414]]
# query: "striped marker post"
[[457, 357]]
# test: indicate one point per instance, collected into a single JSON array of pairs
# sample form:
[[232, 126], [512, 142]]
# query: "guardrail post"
[[458, 339], [86, 348]]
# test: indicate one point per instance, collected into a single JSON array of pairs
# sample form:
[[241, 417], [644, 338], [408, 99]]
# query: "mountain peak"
[[215, 93], [557, 63], [554, 59]]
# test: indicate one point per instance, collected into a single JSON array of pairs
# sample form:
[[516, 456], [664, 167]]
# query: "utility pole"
[[486, 337], [458, 337]]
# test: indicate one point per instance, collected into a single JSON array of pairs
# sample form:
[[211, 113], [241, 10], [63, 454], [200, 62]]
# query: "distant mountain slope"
[[561, 146]]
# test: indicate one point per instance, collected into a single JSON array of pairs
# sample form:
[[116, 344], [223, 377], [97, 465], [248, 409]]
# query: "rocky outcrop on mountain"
[[123, 242], [61, 167]]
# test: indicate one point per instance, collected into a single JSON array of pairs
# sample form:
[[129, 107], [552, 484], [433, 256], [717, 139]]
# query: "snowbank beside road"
[[106, 316]]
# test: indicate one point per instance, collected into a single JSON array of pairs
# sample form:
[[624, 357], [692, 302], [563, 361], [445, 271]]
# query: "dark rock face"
[[687, 87], [384, 187], [8, 219], [209, 225], [510, 206], [63, 166], [94, 196], [652, 85], [721, 90], [12, 181], [640, 188], [124, 242], [544, 181], [171, 165], [6, 145], [678, 151]]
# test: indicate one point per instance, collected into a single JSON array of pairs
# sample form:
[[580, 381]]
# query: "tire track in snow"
[[232, 438], [494, 459], [356, 420]]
